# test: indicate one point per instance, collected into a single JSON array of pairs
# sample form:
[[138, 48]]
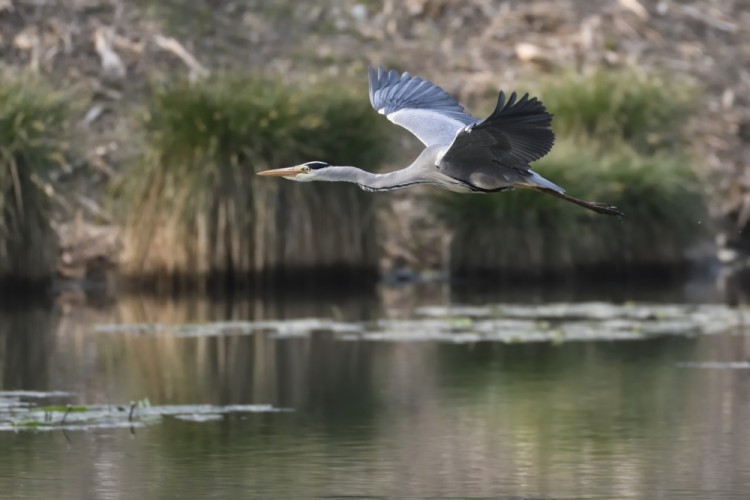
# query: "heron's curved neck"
[[369, 181]]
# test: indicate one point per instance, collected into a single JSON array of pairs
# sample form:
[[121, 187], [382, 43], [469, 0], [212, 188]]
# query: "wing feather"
[[423, 108], [515, 134]]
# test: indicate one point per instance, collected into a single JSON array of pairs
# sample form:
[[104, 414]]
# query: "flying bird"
[[462, 153]]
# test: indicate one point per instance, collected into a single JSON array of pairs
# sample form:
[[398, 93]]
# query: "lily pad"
[[16, 414], [286, 328], [492, 323], [718, 365], [200, 417], [34, 394]]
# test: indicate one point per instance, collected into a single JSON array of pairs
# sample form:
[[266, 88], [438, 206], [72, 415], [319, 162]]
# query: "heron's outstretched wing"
[[421, 107], [514, 135]]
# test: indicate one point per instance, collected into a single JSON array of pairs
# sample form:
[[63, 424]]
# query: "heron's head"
[[304, 173]]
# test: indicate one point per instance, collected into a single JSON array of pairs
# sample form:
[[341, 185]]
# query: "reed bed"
[[33, 125], [619, 141], [197, 213]]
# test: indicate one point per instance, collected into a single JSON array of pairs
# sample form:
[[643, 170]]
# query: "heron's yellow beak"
[[282, 172]]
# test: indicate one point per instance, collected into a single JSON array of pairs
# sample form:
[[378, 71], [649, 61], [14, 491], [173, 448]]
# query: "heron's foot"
[[603, 208]]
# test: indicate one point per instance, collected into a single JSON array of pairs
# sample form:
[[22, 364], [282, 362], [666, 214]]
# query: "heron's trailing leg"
[[600, 208]]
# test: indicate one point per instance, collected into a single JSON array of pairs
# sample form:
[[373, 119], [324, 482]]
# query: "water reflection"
[[27, 342], [593, 419]]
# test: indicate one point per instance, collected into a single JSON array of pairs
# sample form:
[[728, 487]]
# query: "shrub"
[[646, 111], [195, 207], [33, 124]]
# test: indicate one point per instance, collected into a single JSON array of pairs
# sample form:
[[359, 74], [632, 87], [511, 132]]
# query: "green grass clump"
[[33, 121], [63, 409], [529, 233], [196, 208], [646, 111]]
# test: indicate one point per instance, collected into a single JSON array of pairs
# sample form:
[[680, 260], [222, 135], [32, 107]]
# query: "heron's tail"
[[536, 180]]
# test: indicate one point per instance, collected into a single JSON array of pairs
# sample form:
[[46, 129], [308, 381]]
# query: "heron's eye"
[[305, 169]]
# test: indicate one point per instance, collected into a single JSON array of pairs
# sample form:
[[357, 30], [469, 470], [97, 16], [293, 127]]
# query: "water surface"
[[659, 417]]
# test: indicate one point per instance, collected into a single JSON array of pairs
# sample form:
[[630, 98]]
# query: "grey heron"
[[462, 153]]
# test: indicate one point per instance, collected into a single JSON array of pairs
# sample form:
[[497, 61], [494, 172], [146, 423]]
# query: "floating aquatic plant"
[[17, 414]]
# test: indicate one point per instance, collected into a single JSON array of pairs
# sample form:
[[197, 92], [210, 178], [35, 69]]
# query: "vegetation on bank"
[[195, 209], [620, 142], [33, 126], [647, 112]]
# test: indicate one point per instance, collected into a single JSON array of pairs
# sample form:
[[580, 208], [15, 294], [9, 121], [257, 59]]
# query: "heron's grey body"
[[462, 153]]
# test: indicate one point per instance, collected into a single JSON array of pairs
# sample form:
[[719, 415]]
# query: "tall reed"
[[195, 209], [33, 124]]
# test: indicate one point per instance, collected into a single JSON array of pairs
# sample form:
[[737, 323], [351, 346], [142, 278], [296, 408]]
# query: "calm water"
[[591, 420]]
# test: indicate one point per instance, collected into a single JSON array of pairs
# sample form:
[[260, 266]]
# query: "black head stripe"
[[315, 165]]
